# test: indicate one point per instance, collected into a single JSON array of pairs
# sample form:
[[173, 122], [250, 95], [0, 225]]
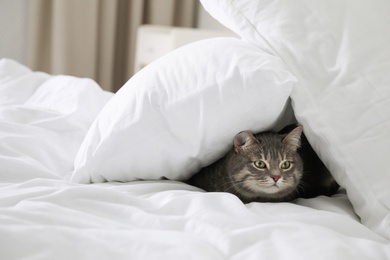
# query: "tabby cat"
[[268, 167]]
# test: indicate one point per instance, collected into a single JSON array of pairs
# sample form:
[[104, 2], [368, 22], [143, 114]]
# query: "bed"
[[88, 174]]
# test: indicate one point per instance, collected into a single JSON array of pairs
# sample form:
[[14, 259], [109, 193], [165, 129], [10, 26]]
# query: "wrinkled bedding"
[[44, 119]]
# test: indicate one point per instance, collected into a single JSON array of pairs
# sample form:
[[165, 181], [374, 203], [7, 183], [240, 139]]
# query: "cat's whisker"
[[239, 185]]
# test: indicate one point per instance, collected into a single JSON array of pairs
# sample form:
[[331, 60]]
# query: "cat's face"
[[268, 164]]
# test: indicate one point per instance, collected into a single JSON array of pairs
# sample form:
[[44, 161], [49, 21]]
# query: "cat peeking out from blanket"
[[268, 167]]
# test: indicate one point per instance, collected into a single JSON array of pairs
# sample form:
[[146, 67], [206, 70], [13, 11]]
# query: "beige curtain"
[[96, 38]]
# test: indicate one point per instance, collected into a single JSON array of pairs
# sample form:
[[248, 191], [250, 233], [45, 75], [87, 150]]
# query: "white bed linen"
[[43, 120], [339, 52]]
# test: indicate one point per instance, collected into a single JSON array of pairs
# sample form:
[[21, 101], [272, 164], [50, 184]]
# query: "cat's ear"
[[293, 139], [242, 140]]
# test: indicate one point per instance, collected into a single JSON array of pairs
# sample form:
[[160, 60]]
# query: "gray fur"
[[241, 170]]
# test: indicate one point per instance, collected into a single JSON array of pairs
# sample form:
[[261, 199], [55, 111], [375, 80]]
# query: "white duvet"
[[43, 120]]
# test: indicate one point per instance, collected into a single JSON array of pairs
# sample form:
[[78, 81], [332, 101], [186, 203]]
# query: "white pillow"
[[340, 52], [181, 112]]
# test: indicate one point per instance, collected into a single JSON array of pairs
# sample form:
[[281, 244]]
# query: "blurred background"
[[90, 38]]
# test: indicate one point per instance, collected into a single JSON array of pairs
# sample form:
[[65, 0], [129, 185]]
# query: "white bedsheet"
[[43, 120]]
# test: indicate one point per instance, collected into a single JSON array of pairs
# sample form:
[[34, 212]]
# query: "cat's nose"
[[275, 177]]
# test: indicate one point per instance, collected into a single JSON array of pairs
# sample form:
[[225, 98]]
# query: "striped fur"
[[256, 168]]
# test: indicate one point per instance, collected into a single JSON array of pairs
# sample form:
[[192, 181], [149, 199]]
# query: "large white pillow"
[[340, 52], [181, 112]]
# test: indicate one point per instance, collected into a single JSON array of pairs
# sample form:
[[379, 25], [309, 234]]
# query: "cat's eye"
[[260, 164], [285, 165]]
